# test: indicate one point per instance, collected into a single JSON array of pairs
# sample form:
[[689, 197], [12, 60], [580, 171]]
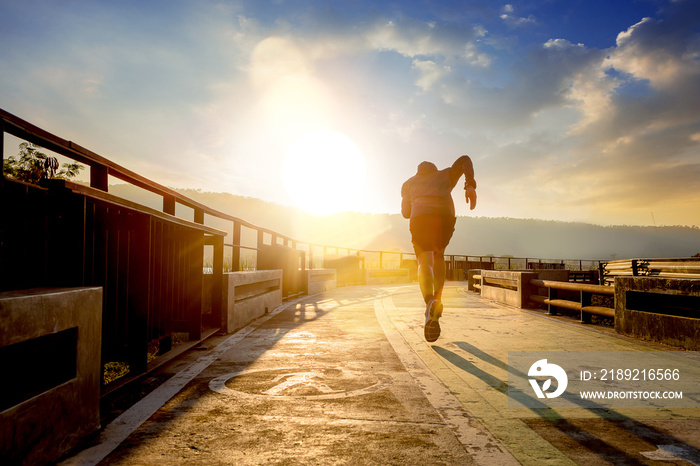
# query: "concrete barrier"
[[387, 276], [347, 269], [507, 287], [249, 295], [320, 280], [558, 275], [666, 310], [50, 342]]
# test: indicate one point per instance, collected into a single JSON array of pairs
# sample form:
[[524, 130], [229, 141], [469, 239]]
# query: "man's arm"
[[464, 166]]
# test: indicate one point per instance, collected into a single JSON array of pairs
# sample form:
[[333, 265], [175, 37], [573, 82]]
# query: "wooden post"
[[218, 279], [199, 216], [585, 301], [2, 150], [311, 256], [303, 276], [99, 177], [193, 286], [138, 236], [168, 204], [551, 310], [236, 253], [261, 239]]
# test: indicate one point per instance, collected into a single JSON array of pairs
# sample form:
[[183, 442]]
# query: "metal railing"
[[668, 268], [584, 296]]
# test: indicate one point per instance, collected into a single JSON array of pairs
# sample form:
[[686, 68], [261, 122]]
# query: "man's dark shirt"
[[429, 192]]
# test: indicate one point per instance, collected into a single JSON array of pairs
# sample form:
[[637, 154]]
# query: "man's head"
[[426, 167]]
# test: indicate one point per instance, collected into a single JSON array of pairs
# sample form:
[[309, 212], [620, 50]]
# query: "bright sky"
[[576, 110]]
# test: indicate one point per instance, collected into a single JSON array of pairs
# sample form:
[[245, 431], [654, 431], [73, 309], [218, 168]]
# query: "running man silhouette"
[[426, 199]]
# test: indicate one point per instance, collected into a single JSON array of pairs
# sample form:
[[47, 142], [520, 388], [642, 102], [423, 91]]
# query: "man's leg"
[[431, 270], [439, 272], [425, 274], [431, 279]]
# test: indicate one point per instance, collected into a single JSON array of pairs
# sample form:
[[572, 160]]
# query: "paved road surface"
[[345, 377]]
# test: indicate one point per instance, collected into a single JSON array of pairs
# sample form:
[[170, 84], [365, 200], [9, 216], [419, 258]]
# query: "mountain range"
[[474, 236]]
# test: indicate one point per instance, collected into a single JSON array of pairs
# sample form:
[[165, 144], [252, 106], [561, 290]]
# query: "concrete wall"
[[666, 310], [387, 276], [249, 295], [50, 342], [556, 275], [319, 280], [508, 287]]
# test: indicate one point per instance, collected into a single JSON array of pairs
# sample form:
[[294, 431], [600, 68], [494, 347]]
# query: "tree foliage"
[[31, 165]]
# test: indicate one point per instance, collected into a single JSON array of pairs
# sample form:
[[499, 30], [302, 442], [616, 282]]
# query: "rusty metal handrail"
[[585, 287], [664, 268], [583, 306], [574, 306]]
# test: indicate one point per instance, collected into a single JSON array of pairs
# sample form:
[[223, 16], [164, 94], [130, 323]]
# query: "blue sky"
[[571, 110]]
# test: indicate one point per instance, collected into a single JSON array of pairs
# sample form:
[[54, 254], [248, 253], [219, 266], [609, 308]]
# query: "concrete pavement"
[[345, 377]]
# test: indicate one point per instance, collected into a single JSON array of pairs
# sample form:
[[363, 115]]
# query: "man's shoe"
[[433, 311]]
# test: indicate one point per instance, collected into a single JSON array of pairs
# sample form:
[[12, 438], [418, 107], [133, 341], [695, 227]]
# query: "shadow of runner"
[[471, 349], [467, 366]]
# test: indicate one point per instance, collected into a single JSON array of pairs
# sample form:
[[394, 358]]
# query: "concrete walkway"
[[346, 377]]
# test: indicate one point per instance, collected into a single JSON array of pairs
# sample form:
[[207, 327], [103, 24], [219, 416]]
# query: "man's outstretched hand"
[[470, 194]]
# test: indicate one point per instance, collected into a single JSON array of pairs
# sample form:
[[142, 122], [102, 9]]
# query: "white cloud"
[[659, 61], [475, 57], [276, 58], [422, 39], [560, 44], [430, 73], [508, 16], [637, 134]]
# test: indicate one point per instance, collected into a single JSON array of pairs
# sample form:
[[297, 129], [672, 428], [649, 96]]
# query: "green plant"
[[31, 165]]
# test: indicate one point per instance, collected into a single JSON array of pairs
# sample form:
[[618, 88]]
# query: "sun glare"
[[324, 173]]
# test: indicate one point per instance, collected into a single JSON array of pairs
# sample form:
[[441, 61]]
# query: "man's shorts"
[[431, 232]]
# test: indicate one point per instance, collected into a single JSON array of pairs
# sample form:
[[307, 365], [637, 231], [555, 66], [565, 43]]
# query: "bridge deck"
[[346, 376]]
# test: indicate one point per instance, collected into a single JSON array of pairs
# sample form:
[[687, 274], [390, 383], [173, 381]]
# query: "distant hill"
[[474, 235]]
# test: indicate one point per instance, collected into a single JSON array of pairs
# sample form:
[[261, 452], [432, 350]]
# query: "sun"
[[324, 172]]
